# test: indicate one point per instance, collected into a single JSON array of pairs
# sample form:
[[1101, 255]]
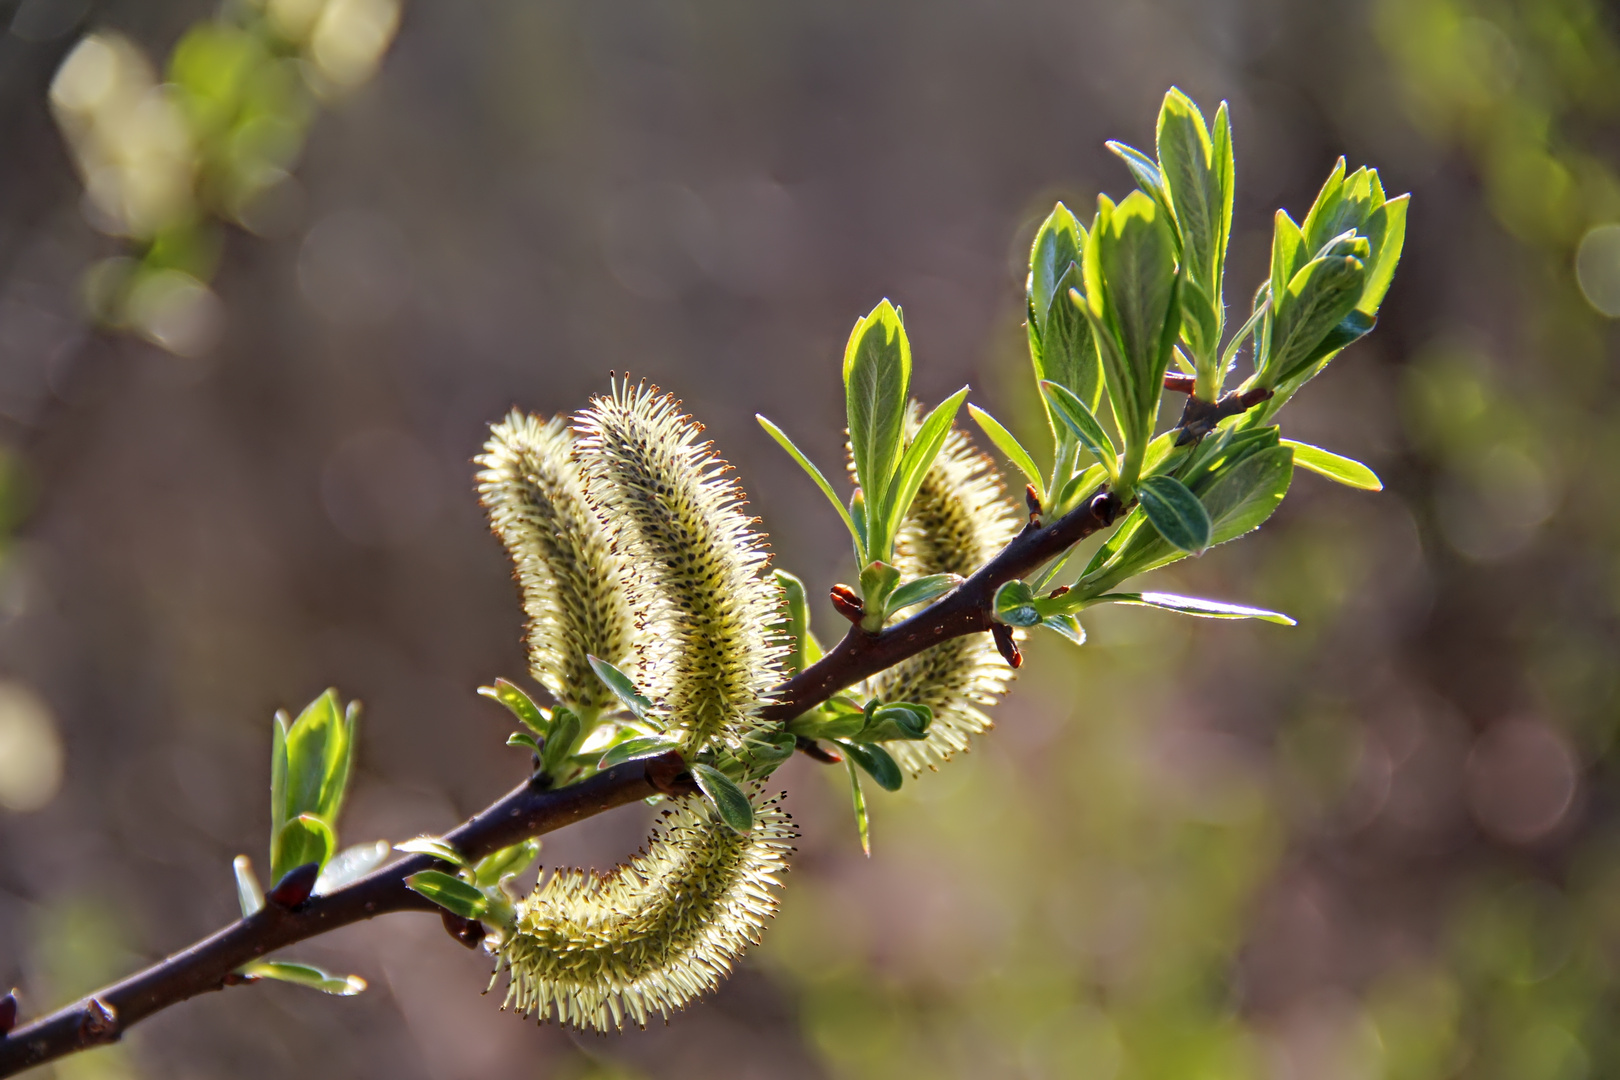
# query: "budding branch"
[[291, 915]]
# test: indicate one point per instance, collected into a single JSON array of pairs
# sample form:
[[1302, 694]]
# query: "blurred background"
[[1382, 844]]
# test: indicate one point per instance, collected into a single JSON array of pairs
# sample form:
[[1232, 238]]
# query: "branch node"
[[848, 603], [1105, 507], [295, 887], [1033, 501], [667, 773], [99, 1024]]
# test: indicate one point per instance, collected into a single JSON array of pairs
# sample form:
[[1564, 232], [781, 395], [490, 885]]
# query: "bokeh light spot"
[[30, 751], [1597, 268], [1521, 777]]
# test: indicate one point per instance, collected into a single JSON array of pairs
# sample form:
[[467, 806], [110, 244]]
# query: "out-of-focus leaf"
[[1080, 420], [1242, 498], [1346, 471], [435, 846], [523, 738], [1066, 626], [1192, 605], [1004, 441], [922, 590], [248, 893], [1175, 512], [903, 720], [862, 823], [621, 685], [877, 763], [350, 865], [795, 622], [520, 704], [305, 975], [727, 798], [815, 474]]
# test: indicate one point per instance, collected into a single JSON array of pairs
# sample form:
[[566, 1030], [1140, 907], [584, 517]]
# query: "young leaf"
[[1144, 170], [877, 385], [565, 729], [320, 750], [1186, 156], [1245, 495], [903, 720], [877, 763], [1344, 470], [1067, 354], [304, 840], [506, 862], [437, 847], [922, 590], [815, 474], [304, 975], [248, 893], [1066, 626], [727, 798], [1287, 254], [1322, 221], [520, 704], [623, 689], [1014, 604], [350, 865], [1057, 247], [1321, 294], [862, 823], [1175, 512], [914, 465], [523, 738], [1192, 605], [1004, 441], [637, 748], [795, 623], [1080, 420], [278, 774], [1078, 488], [1386, 230], [450, 893], [1223, 163], [878, 580]]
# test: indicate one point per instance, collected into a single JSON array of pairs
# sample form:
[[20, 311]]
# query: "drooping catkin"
[[598, 950], [959, 520], [573, 583], [695, 562]]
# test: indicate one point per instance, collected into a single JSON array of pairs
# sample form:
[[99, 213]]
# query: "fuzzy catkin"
[[599, 950], [572, 581], [959, 521], [696, 564]]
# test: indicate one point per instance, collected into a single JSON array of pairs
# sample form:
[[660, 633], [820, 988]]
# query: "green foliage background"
[[1380, 844]]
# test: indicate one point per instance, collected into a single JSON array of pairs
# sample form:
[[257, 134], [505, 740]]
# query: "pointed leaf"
[[914, 465], [304, 975], [1245, 495], [621, 685], [436, 846], [877, 763], [565, 731], [350, 865], [1344, 470], [1080, 420], [1175, 512], [278, 774], [877, 385], [814, 473], [862, 822], [449, 892], [248, 893], [637, 748], [726, 797], [1057, 246], [794, 626], [922, 590], [1186, 157], [520, 704], [1192, 605], [304, 840], [1066, 626], [1320, 222], [1144, 170], [1067, 354], [1386, 229], [1287, 253], [902, 720], [1004, 441], [1321, 294], [523, 738]]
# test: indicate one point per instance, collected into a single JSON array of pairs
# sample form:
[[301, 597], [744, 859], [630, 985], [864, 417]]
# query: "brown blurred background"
[[1382, 844]]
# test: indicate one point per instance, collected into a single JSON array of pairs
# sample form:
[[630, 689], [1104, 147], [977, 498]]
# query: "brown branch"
[[529, 810]]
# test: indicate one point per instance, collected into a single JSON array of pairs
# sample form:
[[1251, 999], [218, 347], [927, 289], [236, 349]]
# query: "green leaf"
[[824, 724], [903, 720], [862, 822], [1323, 220], [1344, 470], [1244, 496], [1191, 605], [878, 580], [1078, 488], [922, 590], [565, 730], [1014, 604], [1287, 254], [320, 750], [1144, 170], [436, 846], [520, 704], [523, 738], [303, 840], [815, 474], [449, 892], [1175, 512], [1318, 298], [1066, 626], [278, 774], [1080, 420], [1386, 231], [637, 748], [1057, 246], [1004, 441], [877, 385], [877, 763], [506, 862], [248, 893], [304, 975], [621, 685], [350, 865], [794, 625], [727, 798], [1186, 157], [1061, 345], [1221, 153], [914, 465]]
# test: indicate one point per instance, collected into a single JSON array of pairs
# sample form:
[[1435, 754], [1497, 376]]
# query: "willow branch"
[[529, 810]]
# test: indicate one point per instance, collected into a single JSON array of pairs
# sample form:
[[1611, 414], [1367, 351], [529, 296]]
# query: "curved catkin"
[[696, 563], [572, 581], [960, 519], [596, 951]]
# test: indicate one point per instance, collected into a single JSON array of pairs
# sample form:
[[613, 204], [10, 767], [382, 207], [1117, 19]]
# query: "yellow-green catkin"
[[959, 520], [696, 564], [573, 583], [599, 951]]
